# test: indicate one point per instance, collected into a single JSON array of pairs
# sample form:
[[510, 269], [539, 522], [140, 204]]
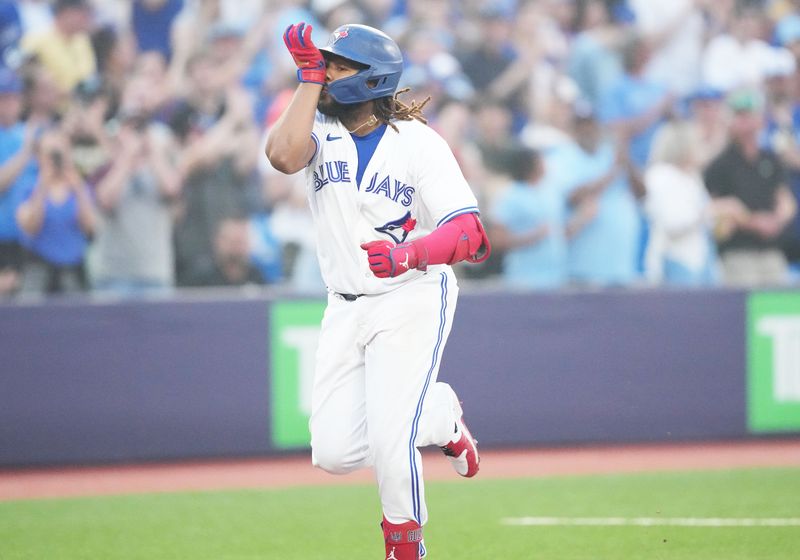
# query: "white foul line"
[[652, 521]]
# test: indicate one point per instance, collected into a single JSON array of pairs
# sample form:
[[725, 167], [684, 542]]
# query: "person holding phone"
[[56, 220]]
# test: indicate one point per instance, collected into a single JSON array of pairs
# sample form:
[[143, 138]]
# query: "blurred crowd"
[[610, 142]]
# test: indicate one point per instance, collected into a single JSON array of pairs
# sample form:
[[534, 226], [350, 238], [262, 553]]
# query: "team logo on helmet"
[[399, 229], [340, 34]]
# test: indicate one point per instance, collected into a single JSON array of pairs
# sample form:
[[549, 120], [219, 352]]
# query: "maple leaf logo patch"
[[340, 34]]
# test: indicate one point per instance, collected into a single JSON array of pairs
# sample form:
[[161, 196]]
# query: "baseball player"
[[392, 211]]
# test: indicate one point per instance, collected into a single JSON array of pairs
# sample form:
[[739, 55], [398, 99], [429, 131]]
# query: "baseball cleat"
[[462, 451]]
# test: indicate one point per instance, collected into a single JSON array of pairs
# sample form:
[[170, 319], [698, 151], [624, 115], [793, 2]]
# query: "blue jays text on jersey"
[[331, 172], [338, 171], [393, 189]]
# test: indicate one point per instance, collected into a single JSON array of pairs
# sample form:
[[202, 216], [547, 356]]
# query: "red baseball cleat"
[[462, 451]]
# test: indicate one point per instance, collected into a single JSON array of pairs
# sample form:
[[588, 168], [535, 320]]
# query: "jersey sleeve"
[[444, 191], [318, 131]]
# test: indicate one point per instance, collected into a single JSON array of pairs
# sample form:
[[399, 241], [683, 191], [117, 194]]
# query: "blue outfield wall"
[[607, 367], [89, 383], [95, 383]]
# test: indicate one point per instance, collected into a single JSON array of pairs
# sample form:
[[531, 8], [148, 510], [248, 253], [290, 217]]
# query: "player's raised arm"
[[289, 144]]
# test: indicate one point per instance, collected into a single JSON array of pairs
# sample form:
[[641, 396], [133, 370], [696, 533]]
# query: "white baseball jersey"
[[376, 398], [411, 186]]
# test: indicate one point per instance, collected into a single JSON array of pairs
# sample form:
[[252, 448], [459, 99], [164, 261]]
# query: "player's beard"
[[327, 105]]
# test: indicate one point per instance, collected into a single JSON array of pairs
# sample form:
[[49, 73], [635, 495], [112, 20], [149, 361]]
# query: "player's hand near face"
[[289, 144], [307, 57], [387, 260]]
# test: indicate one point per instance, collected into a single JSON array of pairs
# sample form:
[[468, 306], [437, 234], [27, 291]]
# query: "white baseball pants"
[[375, 398]]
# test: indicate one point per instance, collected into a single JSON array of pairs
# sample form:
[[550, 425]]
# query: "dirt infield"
[[297, 470]]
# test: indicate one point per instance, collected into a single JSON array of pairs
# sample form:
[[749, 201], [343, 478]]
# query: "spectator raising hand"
[[136, 196], [229, 137], [221, 148], [56, 220]]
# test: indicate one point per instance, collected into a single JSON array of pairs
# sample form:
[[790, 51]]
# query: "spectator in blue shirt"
[[56, 220], [152, 21], [18, 172], [635, 107], [528, 225], [594, 62], [604, 223]]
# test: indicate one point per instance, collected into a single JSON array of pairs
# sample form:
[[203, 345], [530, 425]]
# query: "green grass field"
[[341, 522]]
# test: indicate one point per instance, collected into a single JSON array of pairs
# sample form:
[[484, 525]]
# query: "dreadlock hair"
[[391, 108]]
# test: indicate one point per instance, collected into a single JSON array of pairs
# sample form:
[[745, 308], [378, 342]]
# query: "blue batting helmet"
[[371, 48]]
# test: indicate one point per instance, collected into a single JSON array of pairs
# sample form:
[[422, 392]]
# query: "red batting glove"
[[307, 57], [387, 260]]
